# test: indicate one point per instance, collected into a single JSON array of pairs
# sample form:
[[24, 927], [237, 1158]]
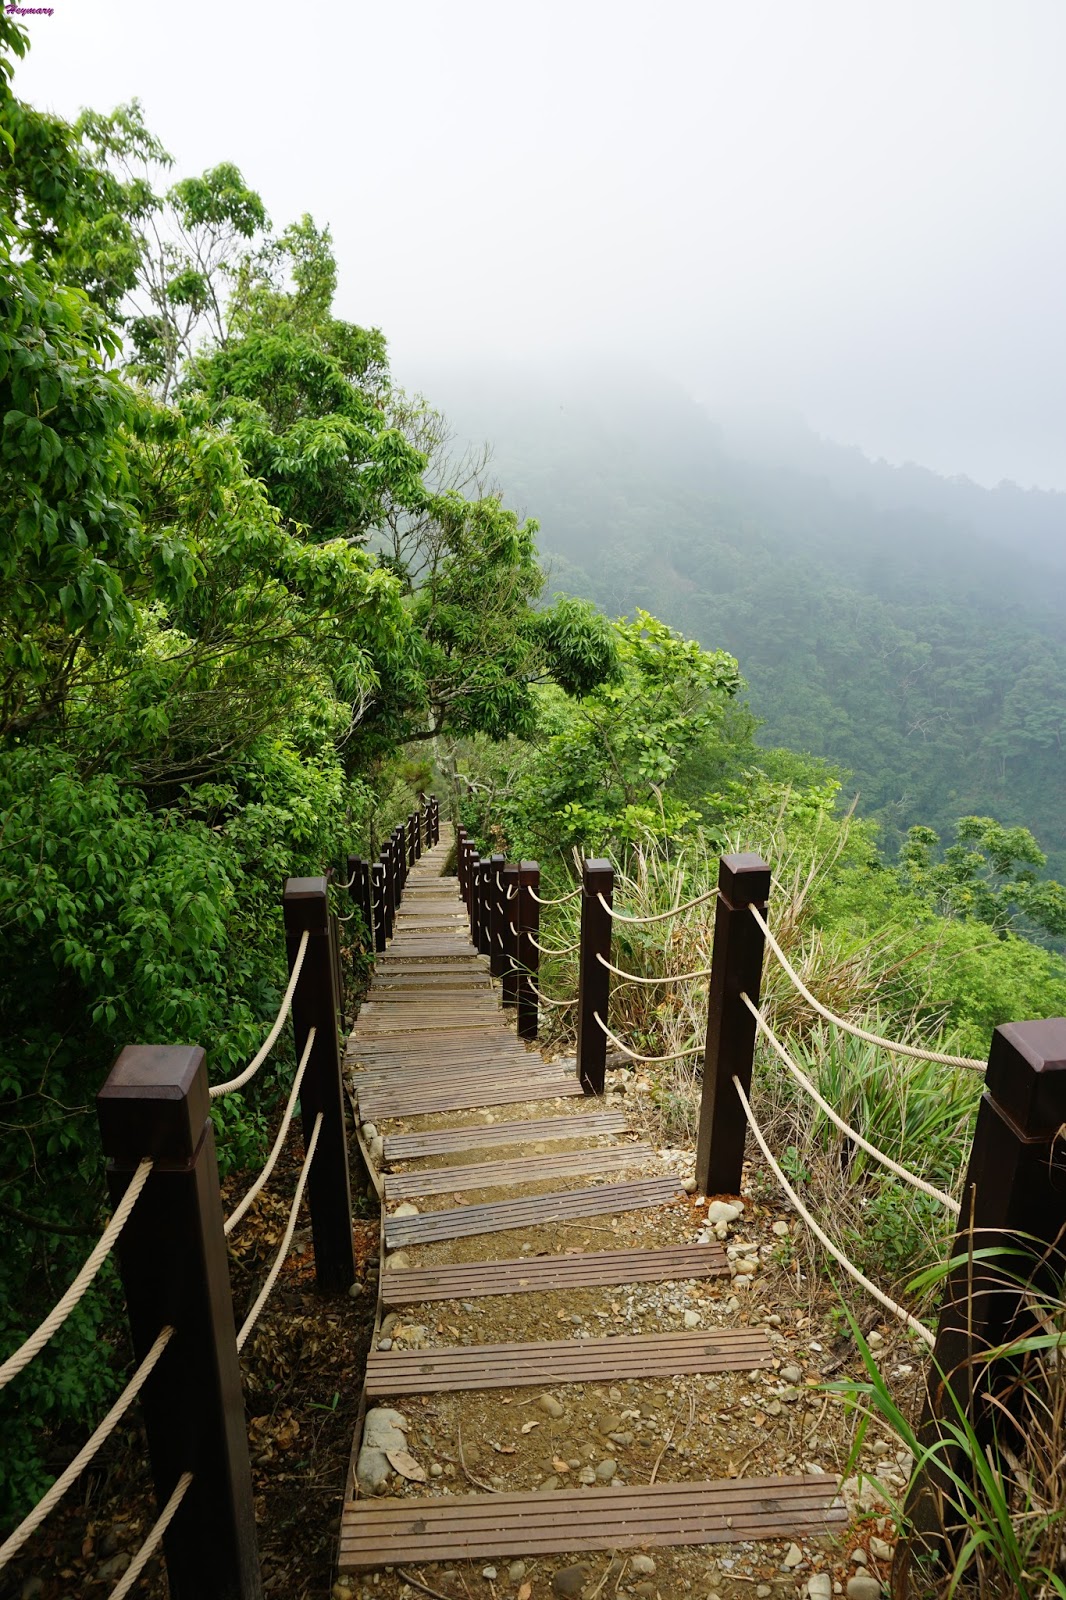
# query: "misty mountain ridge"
[[908, 627]]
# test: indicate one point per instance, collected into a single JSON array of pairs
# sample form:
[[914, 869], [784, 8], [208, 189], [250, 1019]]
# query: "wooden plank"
[[530, 1211], [558, 1361], [545, 1522], [531, 1275], [442, 1141], [522, 1169], [377, 1104]]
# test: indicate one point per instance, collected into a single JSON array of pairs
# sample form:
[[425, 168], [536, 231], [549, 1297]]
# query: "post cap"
[[1026, 1075], [744, 879], [306, 905], [155, 1103]]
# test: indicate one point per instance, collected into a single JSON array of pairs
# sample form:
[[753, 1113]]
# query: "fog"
[[851, 212]]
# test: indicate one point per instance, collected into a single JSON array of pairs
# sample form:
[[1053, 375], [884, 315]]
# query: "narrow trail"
[[564, 1390]]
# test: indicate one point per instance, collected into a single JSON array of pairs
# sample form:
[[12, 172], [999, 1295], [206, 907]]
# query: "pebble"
[[406, 1209], [586, 1475], [644, 1565], [859, 1557], [341, 1591], [385, 1344], [780, 1229], [114, 1568], [399, 1261], [436, 1470], [606, 1470], [875, 1340], [488, 1572], [369, 1130], [819, 1586], [723, 1211], [764, 1591], [376, 1150], [692, 1319], [863, 1587], [792, 1374], [355, 1290], [549, 1404], [880, 1549], [689, 1185], [516, 1571], [793, 1557], [570, 1580]]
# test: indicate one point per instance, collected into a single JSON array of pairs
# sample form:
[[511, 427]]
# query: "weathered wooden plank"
[[530, 1275], [530, 1211], [376, 1105], [442, 1141], [521, 1169]]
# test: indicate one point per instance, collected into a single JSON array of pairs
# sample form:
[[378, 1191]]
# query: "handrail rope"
[[837, 1254], [850, 1027], [348, 918], [268, 1043], [560, 900], [59, 1313], [512, 893], [845, 1127], [543, 948], [620, 916], [75, 1468], [348, 885], [696, 1049], [290, 1229], [668, 977], [562, 1004], [151, 1543], [238, 1212]]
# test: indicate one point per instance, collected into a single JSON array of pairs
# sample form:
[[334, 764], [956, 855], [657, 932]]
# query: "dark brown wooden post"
[[392, 878], [379, 879], [338, 966], [736, 968], [175, 1272], [362, 896], [434, 813], [417, 816], [473, 864], [314, 1004], [412, 818], [509, 928], [484, 906], [460, 862], [1014, 1200], [496, 915], [528, 956], [594, 981]]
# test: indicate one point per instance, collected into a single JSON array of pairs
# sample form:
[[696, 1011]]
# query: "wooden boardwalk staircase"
[[559, 1348]]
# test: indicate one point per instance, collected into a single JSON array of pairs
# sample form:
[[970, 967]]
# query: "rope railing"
[[560, 900], [662, 916], [668, 977], [257, 1060], [678, 1055], [845, 1127], [70, 1473], [545, 951], [151, 1544], [290, 1228], [31, 1347], [940, 1057], [838, 1255], [545, 1000], [260, 1183]]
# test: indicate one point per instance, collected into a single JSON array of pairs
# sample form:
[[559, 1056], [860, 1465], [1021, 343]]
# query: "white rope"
[[562, 1004], [845, 1127], [559, 901], [348, 885], [670, 977], [268, 1043], [151, 1544], [543, 948], [238, 1212], [59, 1313], [696, 1049], [850, 1027], [290, 1229], [348, 918], [620, 916], [49, 1501], [837, 1254]]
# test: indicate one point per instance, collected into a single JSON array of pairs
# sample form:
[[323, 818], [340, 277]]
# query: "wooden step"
[[444, 1141], [531, 1274], [531, 1211], [559, 1361], [502, 1090], [521, 1169], [395, 1532]]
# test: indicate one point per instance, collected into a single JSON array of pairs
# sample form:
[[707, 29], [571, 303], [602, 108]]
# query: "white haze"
[[853, 211]]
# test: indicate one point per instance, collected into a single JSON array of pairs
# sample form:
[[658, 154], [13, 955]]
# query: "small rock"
[[355, 1290], [370, 1130], [792, 1374], [385, 1344], [644, 1565], [819, 1586], [859, 1557], [692, 1319], [549, 1404], [436, 1470], [488, 1572], [793, 1557], [570, 1580], [341, 1591], [399, 1261], [764, 1591], [606, 1470], [689, 1185], [586, 1476], [516, 1571], [376, 1150], [863, 1587], [880, 1549], [390, 1322], [406, 1209], [723, 1211], [551, 1482], [114, 1568], [780, 1229], [875, 1340]]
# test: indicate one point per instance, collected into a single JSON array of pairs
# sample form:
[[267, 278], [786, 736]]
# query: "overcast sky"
[[855, 210]]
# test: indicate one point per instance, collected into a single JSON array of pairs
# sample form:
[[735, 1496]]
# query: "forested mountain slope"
[[908, 627]]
